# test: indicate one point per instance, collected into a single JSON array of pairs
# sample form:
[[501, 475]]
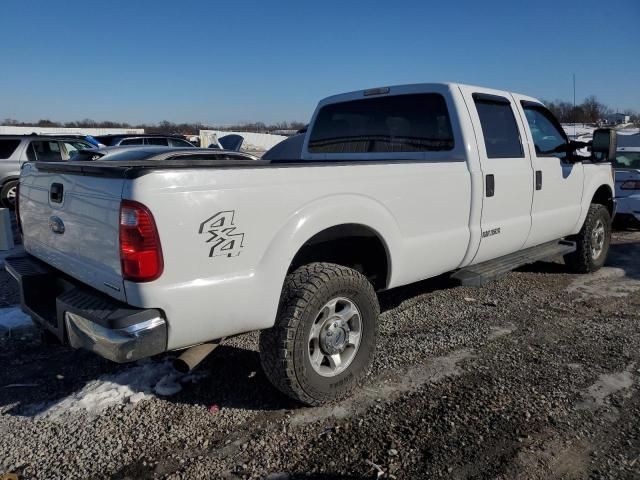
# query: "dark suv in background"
[[158, 140], [17, 149]]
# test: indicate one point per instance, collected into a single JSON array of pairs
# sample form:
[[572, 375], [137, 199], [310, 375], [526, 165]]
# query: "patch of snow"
[[606, 282], [142, 381], [606, 385], [13, 317]]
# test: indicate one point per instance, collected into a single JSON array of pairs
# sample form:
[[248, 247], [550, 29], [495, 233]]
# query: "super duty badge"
[[223, 238]]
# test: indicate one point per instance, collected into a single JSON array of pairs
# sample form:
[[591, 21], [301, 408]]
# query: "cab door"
[[507, 172], [557, 196]]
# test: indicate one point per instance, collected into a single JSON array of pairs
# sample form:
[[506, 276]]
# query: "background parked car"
[[627, 165], [160, 140], [17, 149]]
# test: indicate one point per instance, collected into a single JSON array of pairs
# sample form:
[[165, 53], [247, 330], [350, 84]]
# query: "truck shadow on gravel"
[[391, 299], [48, 381], [622, 255]]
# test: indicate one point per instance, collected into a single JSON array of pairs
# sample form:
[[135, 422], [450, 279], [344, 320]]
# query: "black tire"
[[284, 348], [583, 260], [5, 194]]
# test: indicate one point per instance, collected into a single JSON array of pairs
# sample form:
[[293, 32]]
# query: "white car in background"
[[627, 165]]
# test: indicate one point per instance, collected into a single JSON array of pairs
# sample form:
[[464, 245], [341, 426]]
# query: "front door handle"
[[490, 185], [538, 179]]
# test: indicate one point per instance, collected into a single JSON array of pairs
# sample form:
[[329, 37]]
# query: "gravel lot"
[[534, 376]]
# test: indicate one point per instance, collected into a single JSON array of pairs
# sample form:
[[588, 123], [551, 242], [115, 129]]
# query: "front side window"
[[45, 151], [157, 141], [177, 142], [132, 141], [546, 133], [499, 128], [7, 147], [399, 123], [73, 148]]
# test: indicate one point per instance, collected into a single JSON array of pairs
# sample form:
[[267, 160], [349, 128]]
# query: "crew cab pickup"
[[130, 258]]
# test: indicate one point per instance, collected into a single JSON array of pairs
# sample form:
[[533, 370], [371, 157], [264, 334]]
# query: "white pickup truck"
[[131, 256]]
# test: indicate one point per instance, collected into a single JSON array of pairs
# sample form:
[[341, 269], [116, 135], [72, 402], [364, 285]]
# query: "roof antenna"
[[574, 105]]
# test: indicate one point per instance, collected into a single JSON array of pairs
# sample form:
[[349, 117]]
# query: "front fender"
[[596, 176]]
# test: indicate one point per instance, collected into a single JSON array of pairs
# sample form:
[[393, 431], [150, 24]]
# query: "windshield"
[[627, 160]]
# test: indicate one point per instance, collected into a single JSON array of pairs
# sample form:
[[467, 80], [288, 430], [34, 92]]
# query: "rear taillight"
[[18, 209], [140, 251], [630, 185]]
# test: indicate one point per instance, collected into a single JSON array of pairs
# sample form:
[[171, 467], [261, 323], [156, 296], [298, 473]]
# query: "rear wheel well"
[[604, 196], [350, 245]]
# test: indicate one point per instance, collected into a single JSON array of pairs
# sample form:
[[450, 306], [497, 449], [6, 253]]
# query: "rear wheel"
[[592, 243], [8, 194], [324, 338]]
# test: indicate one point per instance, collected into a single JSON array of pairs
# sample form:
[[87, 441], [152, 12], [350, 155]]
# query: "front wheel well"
[[350, 245], [604, 196]]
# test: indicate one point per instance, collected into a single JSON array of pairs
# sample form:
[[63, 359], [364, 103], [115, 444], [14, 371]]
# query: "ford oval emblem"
[[56, 225]]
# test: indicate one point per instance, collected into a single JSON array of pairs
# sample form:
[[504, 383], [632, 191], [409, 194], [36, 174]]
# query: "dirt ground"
[[534, 376]]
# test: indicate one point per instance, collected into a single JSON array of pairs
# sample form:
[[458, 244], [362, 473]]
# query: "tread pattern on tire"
[[277, 343], [580, 261]]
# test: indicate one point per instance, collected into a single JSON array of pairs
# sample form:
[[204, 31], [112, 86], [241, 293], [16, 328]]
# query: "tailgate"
[[71, 222]]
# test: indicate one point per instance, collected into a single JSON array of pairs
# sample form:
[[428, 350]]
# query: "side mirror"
[[605, 143]]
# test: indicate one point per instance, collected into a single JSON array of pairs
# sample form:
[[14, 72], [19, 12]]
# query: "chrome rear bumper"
[[85, 318], [136, 341]]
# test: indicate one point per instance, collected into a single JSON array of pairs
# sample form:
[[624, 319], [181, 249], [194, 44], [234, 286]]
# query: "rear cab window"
[[499, 127], [7, 147], [393, 126]]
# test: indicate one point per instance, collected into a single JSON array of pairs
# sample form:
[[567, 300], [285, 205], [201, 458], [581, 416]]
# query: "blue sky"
[[224, 62]]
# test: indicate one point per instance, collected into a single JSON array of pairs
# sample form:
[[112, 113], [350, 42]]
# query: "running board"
[[482, 273]]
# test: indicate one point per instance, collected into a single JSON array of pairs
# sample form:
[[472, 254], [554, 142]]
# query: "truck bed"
[[136, 168]]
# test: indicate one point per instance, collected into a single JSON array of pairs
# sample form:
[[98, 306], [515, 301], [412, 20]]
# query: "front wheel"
[[8, 194], [324, 338], [592, 242]]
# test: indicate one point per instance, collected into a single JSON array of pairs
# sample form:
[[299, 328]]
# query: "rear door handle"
[[490, 185], [56, 193], [538, 179]]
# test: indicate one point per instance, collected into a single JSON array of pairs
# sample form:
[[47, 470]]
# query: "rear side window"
[[400, 123], [157, 141], [45, 151], [499, 128], [132, 141], [7, 147]]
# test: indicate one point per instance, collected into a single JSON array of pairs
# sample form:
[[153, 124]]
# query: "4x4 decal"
[[223, 237]]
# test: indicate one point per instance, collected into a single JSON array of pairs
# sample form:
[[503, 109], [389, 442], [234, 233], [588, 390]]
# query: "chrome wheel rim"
[[597, 239], [334, 337]]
